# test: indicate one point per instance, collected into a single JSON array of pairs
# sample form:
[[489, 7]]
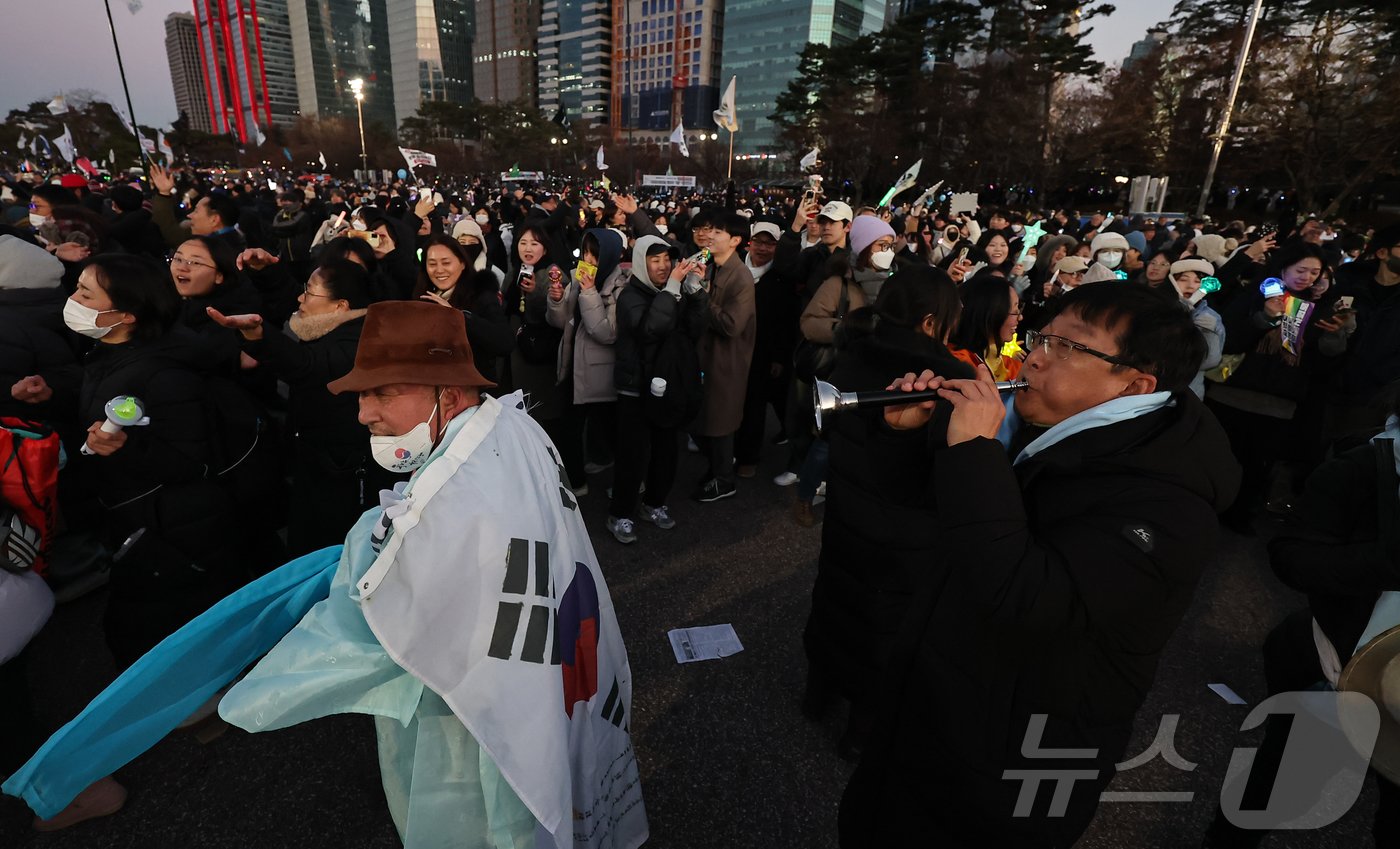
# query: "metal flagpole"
[[1225, 116], [121, 69]]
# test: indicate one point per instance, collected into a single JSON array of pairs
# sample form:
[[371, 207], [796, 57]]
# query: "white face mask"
[[36, 220], [483, 219], [1110, 259], [404, 453], [882, 260], [662, 229], [83, 319]]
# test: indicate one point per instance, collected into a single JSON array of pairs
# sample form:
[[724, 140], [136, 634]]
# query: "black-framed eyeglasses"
[[1062, 348]]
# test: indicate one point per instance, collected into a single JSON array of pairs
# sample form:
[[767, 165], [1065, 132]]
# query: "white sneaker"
[[821, 494], [659, 517], [786, 479], [622, 530]]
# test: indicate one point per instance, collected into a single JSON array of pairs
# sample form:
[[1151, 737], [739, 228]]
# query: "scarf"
[[757, 271], [309, 328], [1102, 415]]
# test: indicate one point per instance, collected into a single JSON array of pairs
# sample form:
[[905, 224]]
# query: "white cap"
[[766, 227], [595, 204], [836, 211]]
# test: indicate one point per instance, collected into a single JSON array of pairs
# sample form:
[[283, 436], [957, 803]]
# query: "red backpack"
[[28, 489]]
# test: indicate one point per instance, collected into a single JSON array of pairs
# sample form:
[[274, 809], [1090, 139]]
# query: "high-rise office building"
[[279, 65], [667, 67], [186, 73], [503, 51], [575, 61], [430, 51], [335, 41], [235, 41], [762, 41], [1149, 46]]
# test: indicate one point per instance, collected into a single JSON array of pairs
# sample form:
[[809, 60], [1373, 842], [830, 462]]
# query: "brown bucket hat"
[[411, 342]]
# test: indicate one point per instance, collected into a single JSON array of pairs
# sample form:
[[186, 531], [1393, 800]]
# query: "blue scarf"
[[1107, 413]]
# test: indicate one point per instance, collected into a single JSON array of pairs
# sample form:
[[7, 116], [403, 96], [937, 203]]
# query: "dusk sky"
[[58, 45]]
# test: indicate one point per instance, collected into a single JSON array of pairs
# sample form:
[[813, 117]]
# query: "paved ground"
[[727, 760]]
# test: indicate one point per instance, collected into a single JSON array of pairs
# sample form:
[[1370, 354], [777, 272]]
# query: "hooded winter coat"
[[647, 315], [588, 318], [1064, 578], [33, 338]]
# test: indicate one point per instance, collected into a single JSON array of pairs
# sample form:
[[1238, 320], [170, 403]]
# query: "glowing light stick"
[[122, 411], [1209, 286]]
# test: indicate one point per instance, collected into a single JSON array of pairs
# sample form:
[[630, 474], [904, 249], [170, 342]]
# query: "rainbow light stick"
[[122, 411]]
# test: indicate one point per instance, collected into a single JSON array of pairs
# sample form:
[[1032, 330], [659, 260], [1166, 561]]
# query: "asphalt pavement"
[[727, 759]]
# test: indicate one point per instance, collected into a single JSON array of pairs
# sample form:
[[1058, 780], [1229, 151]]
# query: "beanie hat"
[[27, 266], [1214, 248], [469, 227], [1137, 241], [866, 230], [1108, 241], [126, 198], [1200, 266]]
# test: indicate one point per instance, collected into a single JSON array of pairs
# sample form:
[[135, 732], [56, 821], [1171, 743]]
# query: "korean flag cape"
[[488, 590], [171, 681], [495, 602]]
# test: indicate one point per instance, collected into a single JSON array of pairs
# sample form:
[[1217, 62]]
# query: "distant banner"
[[416, 158], [521, 176], [668, 181]]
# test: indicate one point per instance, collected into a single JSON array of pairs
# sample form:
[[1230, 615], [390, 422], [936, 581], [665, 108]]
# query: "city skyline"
[[142, 37]]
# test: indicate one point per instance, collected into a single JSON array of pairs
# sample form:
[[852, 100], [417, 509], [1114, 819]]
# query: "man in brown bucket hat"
[[466, 614]]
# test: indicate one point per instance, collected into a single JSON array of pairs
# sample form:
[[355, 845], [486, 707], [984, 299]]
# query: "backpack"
[[29, 459], [675, 361]]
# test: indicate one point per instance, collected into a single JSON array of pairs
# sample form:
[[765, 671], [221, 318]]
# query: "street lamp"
[[357, 86]]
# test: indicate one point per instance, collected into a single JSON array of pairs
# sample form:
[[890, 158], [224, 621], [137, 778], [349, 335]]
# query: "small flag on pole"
[[678, 139], [322, 158], [415, 158], [85, 165], [58, 105], [602, 166], [133, 6], [258, 136], [906, 181], [929, 194], [22, 140], [65, 145], [727, 115], [164, 147], [287, 152], [810, 160]]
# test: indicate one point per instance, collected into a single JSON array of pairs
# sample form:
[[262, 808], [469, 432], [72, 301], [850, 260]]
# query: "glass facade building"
[[243, 50], [335, 41], [503, 51], [575, 58], [430, 48], [186, 73], [669, 46], [762, 40]]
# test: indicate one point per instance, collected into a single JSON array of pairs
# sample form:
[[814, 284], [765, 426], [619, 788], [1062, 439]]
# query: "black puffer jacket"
[[1065, 578], [877, 544], [237, 297], [645, 316], [160, 478], [34, 340]]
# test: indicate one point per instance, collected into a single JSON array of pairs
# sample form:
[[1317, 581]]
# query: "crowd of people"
[[1178, 369]]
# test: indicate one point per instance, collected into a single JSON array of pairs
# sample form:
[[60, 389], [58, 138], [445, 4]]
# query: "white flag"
[[258, 135], [810, 160], [133, 6], [164, 147], [727, 115], [65, 146], [111, 156], [22, 141], [678, 138], [322, 157], [928, 196], [602, 166], [415, 158], [906, 181], [58, 105]]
